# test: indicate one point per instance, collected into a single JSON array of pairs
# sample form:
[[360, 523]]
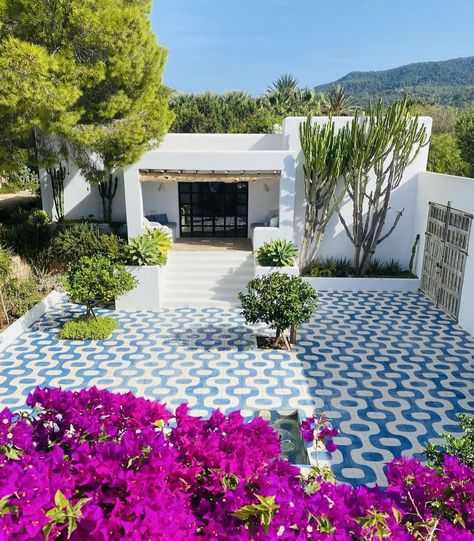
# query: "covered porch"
[[213, 187], [214, 204]]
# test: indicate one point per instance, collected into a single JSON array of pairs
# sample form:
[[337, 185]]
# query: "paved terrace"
[[391, 370]]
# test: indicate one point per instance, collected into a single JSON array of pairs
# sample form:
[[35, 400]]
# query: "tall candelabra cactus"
[[381, 145], [107, 191], [324, 163], [57, 177]]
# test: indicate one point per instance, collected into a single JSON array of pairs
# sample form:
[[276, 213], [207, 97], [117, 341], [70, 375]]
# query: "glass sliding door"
[[213, 209]]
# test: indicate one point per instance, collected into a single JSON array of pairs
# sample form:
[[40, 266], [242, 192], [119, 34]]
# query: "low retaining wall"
[[364, 284], [259, 270], [19, 326], [148, 295]]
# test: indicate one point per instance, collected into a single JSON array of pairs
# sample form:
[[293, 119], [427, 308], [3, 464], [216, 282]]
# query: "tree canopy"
[[82, 74]]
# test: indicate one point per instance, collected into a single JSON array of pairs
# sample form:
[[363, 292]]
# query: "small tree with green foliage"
[[280, 301], [445, 156], [95, 280], [465, 137]]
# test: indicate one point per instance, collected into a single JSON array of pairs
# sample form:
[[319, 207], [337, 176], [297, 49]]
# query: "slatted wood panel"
[[444, 261]]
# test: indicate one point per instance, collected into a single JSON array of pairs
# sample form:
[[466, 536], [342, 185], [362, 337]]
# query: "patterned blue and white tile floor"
[[391, 370]]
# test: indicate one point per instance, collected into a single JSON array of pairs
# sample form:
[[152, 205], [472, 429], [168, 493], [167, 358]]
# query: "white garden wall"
[[437, 188], [336, 242]]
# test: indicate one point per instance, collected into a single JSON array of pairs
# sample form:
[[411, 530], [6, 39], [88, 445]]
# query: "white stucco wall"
[[437, 188], [161, 201], [81, 200], [221, 141], [261, 202], [336, 242]]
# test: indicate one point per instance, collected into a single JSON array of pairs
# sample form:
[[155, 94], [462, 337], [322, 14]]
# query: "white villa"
[[228, 186]]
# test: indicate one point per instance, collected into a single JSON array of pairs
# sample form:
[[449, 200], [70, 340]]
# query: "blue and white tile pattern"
[[388, 368]]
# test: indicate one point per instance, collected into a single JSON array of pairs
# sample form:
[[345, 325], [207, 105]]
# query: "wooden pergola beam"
[[160, 175]]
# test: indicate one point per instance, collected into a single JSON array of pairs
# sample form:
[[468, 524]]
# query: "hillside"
[[450, 82]]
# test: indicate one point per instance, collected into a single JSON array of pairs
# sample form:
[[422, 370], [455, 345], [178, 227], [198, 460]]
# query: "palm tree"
[[286, 85], [338, 102], [285, 98]]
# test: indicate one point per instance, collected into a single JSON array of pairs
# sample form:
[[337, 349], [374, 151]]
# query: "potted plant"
[[145, 257], [278, 255]]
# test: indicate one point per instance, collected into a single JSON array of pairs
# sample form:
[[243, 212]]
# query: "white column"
[[287, 197], [133, 201]]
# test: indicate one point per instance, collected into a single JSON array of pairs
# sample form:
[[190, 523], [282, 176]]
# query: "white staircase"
[[206, 278]]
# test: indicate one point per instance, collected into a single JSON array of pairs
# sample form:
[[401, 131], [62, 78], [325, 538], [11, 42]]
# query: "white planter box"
[[263, 271], [148, 295], [24, 322], [365, 284]]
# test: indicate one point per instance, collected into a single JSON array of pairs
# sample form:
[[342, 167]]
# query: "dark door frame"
[[233, 197]]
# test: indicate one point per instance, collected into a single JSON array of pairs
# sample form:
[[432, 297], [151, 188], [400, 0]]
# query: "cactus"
[[107, 191], [324, 164], [413, 253], [385, 142], [57, 177]]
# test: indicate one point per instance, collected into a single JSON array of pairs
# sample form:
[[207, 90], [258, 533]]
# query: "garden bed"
[[148, 294], [364, 284], [263, 271], [19, 326]]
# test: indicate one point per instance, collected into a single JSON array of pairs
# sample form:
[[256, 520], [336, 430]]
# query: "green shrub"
[[149, 249], [277, 253], [85, 328], [330, 267], [32, 216], [27, 239], [465, 138], [334, 267], [462, 447], [20, 295], [280, 301], [445, 156], [95, 280], [78, 240]]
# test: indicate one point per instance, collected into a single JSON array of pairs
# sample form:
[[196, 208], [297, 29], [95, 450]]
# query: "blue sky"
[[246, 44]]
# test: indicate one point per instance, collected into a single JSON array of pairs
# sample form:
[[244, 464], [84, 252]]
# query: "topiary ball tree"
[[280, 301], [97, 279]]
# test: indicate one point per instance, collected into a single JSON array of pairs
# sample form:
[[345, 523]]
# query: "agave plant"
[[277, 253], [144, 250], [161, 238]]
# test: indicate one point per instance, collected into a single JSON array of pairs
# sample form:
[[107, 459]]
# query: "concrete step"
[[206, 278]]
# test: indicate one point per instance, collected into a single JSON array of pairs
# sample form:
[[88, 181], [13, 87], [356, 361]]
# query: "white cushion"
[[274, 222]]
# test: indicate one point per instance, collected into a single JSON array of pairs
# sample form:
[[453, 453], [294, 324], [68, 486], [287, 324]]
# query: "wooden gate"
[[446, 250]]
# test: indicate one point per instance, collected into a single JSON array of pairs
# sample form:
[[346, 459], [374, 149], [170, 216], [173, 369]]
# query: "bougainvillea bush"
[[93, 465]]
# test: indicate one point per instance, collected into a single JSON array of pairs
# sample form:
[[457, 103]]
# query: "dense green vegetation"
[[238, 112], [450, 134], [449, 82]]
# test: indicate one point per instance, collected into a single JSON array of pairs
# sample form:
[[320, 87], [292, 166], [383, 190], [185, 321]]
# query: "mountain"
[[450, 82]]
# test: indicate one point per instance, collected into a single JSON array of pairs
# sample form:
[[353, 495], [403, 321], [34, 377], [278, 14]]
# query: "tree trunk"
[[90, 311], [293, 330]]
